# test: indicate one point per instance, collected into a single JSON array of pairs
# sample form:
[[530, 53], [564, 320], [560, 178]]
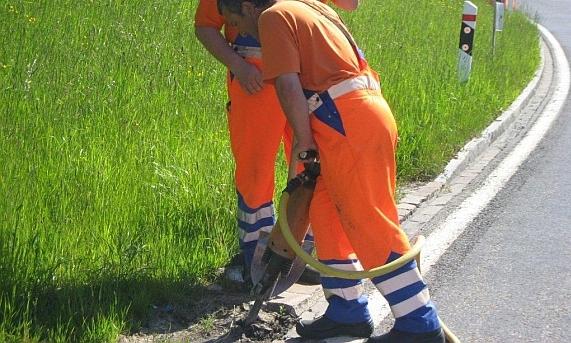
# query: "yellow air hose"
[[413, 253]]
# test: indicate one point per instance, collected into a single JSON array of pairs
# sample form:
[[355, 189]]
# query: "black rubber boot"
[[237, 276], [395, 336], [324, 327]]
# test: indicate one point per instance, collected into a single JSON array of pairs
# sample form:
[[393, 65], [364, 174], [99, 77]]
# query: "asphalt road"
[[508, 277]]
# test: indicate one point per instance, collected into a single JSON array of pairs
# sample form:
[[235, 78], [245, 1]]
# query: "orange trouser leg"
[[353, 212], [358, 175], [257, 126]]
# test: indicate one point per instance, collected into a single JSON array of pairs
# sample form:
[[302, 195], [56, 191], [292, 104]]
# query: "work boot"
[[395, 336], [236, 277], [324, 327], [310, 276]]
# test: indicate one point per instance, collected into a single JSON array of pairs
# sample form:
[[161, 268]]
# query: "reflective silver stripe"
[[355, 266], [349, 85], [405, 307], [251, 218], [400, 281], [252, 236], [349, 293], [342, 88], [248, 51]]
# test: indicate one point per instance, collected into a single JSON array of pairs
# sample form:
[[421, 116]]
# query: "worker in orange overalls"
[[333, 102], [256, 123]]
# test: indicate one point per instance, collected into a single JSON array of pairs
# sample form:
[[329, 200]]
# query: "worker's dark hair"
[[235, 6]]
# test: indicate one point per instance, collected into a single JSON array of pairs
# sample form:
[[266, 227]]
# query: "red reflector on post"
[[469, 17]]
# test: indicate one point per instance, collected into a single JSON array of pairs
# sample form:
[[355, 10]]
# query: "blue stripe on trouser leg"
[[408, 298], [346, 298], [251, 221]]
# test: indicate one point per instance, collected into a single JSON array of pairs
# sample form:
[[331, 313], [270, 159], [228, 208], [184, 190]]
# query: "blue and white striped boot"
[[347, 313], [416, 319]]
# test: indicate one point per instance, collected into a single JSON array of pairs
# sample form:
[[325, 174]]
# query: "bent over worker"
[[333, 102], [256, 123]]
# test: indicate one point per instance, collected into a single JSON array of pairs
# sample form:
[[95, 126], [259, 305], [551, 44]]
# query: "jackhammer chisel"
[[278, 256]]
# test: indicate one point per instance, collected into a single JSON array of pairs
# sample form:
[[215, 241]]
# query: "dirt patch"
[[214, 317], [269, 327]]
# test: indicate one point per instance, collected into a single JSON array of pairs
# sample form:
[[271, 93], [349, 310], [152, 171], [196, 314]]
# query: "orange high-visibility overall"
[[353, 212], [257, 126]]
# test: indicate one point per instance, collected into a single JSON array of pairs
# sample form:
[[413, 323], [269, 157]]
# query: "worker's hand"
[[249, 77], [301, 149], [300, 156]]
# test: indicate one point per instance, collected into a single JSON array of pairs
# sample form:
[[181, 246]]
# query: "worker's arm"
[[294, 104], [249, 77], [347, 5]]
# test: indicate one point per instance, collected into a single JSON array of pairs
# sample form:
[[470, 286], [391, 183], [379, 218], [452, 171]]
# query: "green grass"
[[116, 187]]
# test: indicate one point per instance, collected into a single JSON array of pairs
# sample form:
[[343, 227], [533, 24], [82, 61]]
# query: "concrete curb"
[[299, 299], [411, 201]]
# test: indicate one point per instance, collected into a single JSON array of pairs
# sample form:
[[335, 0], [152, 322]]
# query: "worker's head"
[[243, 13], [236, 6]]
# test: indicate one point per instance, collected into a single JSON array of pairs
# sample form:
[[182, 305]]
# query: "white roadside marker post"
[[498, 22], [467, 40]]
